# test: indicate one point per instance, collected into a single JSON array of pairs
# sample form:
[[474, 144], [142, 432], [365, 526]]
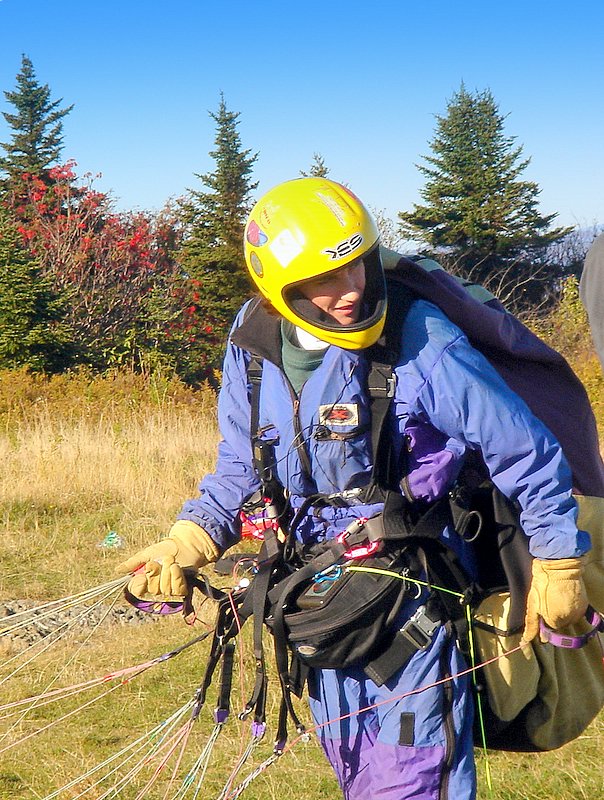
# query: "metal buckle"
[[419, 629]]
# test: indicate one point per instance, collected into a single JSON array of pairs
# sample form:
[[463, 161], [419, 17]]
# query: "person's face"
[[339, 293]]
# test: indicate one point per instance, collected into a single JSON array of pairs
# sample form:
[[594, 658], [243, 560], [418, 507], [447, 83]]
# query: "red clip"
[[363, 550], [253, 525]]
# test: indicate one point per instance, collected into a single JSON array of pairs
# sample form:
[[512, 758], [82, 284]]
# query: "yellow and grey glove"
[[187, 546], [557, 595]]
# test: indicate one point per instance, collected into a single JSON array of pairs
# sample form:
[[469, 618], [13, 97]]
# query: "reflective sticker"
[[339, 414], [285, 248], [255, 235], [256, 265], [336, 209]]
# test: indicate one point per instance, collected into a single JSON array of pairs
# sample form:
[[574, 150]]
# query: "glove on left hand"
[[557, 595]]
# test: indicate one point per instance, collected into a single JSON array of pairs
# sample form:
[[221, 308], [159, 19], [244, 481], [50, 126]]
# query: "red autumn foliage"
[[107, 262], [128, 297]]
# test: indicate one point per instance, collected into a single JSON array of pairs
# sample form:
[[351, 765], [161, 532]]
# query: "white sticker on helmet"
[[285, 248]]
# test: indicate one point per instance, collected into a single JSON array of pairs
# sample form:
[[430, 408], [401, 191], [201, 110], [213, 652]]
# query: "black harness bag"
[[340, 617]]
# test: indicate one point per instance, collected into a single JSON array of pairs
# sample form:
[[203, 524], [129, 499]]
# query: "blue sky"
[[359, 83]]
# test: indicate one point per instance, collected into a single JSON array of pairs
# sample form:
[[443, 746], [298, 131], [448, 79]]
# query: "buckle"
[[358, 550], [419, 629]]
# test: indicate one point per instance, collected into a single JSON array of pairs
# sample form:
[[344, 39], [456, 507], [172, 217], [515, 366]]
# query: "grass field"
[[82, 458]]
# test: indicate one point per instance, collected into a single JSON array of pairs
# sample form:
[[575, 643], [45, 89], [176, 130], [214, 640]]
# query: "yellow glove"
[[557, 595], [186, 546]]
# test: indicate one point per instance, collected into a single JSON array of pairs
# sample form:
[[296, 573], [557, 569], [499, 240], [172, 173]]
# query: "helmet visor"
[[309, 316]]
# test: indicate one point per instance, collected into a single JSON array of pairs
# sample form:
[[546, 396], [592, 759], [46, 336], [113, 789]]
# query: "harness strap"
[[226, 681], [291, 683], [381, 384], [415, 635], [445, 570], [255, 603], [225, 630], [254, 374]]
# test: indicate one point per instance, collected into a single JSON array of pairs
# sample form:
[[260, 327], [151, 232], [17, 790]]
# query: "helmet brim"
[[363, 333]]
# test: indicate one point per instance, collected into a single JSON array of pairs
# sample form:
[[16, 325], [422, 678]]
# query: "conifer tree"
[[212, 253], [318, 168], [33, 332], [37, 126], [479, 215]]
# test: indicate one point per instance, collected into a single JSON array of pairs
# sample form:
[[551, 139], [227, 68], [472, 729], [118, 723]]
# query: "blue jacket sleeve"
[[455, 388], [234, 480]]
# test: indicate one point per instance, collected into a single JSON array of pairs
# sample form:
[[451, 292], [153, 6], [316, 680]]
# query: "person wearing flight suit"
[[312, 249]]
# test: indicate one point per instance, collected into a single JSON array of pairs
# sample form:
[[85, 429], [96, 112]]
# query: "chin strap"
[[574, 642]]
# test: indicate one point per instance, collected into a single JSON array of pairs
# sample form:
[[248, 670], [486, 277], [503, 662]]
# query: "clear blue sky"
[[360, 83]]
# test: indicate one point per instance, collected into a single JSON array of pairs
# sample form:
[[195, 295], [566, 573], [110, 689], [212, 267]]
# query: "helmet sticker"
[[336, 209], [255, 235], [345, 248], [256, 264], [285, 247], [339, 414], [265, 215]]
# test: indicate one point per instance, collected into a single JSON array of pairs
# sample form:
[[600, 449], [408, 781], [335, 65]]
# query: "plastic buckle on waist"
[[419, 629]]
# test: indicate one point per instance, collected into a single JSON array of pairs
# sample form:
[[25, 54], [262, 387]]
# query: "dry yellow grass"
[[68, 479], [82, 457]]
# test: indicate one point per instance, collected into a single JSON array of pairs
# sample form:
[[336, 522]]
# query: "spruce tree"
[[479, 215], [33, 332], [37, 126], [212, 254], [318, 168]]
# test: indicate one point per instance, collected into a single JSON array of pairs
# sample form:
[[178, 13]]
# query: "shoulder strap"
[[254, 376], [383, 357]]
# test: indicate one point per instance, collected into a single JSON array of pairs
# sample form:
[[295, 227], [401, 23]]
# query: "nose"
[[350, 281]]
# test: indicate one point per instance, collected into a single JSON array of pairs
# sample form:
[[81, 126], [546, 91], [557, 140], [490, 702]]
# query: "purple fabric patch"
[[388, 772], [434, 461]]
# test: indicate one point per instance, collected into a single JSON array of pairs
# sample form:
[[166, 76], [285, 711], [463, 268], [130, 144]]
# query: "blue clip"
[[330, 574]]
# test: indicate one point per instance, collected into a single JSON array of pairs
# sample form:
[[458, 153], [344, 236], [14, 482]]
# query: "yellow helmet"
[[302, 229]]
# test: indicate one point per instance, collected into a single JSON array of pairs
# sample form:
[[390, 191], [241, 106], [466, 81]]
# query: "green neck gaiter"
[[298, 363]]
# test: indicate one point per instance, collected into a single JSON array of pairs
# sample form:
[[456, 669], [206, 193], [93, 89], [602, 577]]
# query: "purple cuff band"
[[154, 606], [574, 642]]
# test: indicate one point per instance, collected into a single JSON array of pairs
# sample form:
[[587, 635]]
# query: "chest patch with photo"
[[339, 414]]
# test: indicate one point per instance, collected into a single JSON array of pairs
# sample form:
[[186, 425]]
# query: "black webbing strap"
[[381, 385], [225, 630], [226, 681], [415, 635], [445, 570], [256, 603], [254, 374]]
